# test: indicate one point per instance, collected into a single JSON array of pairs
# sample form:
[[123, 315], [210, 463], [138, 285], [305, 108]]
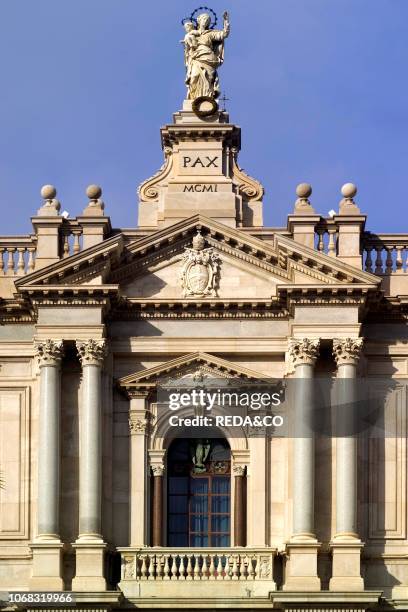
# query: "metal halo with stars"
[[208, 10]]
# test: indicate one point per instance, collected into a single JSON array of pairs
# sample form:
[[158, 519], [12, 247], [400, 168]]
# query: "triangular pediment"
[[149, 268], [187, 366]]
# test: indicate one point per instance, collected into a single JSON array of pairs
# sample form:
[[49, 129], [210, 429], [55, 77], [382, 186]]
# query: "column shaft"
[[157, 509], [91, 354], [239, 511], [90, 463], [49, 452], [303, 454], [346, 456]]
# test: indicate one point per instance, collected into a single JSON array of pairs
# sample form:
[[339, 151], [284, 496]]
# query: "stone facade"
[[92, 320]]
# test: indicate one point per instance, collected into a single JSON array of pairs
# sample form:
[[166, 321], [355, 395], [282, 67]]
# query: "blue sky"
[[319, 88]]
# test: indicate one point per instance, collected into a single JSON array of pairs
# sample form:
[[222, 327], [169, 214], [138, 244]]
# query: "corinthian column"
[[346, 545], [89, 545], [47, 545], [301, 567]]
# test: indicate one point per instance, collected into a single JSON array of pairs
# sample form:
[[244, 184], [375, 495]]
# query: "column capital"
[[238, 470], [347, 351], [158, 469], [137, 424], [303, 351], [49, 352], [91, 352]]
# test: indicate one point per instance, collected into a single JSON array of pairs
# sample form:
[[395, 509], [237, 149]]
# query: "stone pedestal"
[[301, 566], [90, 567], [346, 566], [47, 566]]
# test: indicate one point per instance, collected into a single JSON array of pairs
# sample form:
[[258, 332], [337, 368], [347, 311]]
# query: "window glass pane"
[[199, 485], [198, 540], [198, 522], [220, 540], [178, 484], [178, 503], [178, 523], [220, 484], [178, 539], [220, 522], [199, 504], [220, 503]]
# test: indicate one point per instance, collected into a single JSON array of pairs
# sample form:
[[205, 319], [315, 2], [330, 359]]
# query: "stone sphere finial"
[[304, 190], [347, 204], [349, 190], [93, 192], [302, 204], [48, 192], [51, 206], [95, 206]]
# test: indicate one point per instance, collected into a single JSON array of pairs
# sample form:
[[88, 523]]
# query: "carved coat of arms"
[[199, 273]]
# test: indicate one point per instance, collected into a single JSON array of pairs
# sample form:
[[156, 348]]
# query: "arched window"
[[199, 493]]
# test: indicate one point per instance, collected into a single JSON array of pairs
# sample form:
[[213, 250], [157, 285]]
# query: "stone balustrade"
[[71, 233], [17, 255], [199, 564], [326, 233], [385, 254]]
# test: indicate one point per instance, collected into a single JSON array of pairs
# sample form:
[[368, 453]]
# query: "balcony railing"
[[200, 564]]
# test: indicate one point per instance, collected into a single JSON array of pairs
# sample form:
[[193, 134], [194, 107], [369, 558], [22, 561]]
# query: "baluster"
[[204, 573], [196, 566], [65, 248], [331, 249], [228, 567], [182, 567], [30, 262], [258, 567], [369, 261], [1, 261], [244, 569], [189, 568], [159, 567], [388, 261], [77, 246], [235, 571], [174, 567], [378, 261], [143, 570], [212, 567], [320, 244], [398, 260], [166, 570], [20, 261], [252, 572], [217, 567], [10, 261]]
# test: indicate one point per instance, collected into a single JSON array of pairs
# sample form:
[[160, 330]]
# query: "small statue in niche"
[[200, 455]]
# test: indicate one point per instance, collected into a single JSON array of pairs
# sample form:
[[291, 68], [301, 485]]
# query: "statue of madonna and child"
[[203, 54]]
